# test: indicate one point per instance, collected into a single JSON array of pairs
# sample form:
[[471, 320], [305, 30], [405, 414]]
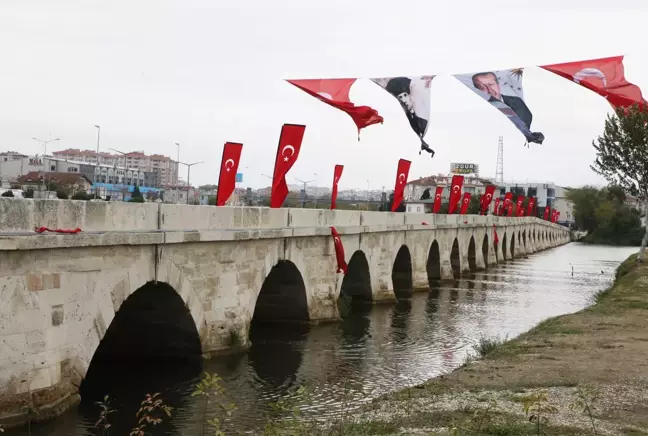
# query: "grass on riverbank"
[[579, 374]]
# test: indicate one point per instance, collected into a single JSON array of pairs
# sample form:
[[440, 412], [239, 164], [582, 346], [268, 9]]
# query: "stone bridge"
[[211, 272]]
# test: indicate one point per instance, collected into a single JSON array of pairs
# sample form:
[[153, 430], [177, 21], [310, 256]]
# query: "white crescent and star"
[[488, 197], [401, 178], [227, 164], [337, 240], [326, 95], [590, 72], [335, 182], [438, 196], [292, 152]]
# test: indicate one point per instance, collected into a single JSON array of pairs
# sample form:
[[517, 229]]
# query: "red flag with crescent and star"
[[496, 209], [510, 209], [519, 210], [508, 200], [531, 211], [335, 92], [465, 202], [546, 213], [455, 193], [487, 198], [337, 174], [401, 180], [227, 177], [339, 251], [287, 153], [604, 76], [553, 215], [437, 199]]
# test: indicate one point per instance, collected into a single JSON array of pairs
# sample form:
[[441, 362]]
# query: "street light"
[[125, 166], [98, 169], [177, 164], [189, 165], [305, 183], [44, 154]]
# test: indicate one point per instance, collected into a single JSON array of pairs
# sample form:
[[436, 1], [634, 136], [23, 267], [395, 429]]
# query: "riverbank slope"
[[583, 374]]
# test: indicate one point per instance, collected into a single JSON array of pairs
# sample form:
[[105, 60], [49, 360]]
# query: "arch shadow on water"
[[152, 345], [504, 256], [512, 246], [402, 274], [279, 326], [524, 240], [455, 259], [485, 248]]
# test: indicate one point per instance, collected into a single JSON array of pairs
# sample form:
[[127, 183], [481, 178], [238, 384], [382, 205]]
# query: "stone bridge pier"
[[203, 275]]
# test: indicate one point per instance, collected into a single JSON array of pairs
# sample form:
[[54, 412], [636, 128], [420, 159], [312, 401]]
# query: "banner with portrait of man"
[[413, 94], [503, 90]]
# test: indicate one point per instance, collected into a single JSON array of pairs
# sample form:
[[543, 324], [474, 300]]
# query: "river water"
[[377, 349]]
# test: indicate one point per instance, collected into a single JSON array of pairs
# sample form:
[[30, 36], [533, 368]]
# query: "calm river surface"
[[380, 349]]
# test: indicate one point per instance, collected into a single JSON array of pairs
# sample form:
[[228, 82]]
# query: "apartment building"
[[164, 168]]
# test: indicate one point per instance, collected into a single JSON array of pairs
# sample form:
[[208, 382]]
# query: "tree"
[[426, 194], [474, 208], [8, 193], [137, 196], [29, 193], [622, 154], [81, 195]]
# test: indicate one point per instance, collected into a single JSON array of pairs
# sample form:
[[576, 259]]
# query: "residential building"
[[73, 181], [165, 169], [181, 194], [415, 188]]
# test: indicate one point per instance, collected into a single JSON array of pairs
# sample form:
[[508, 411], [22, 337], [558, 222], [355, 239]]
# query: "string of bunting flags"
[[502, 89]]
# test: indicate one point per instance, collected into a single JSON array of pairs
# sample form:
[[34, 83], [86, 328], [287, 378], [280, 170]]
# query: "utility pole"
[[97, 168], [499, 168], [304, 197], [177, 165], [189, 175], [44, 155]]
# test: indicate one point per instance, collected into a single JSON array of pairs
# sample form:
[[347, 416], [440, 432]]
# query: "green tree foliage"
[[137, 196], [426, 194], [29, 193], [604, 215], [81, 195], [474, 208], [8, 194]]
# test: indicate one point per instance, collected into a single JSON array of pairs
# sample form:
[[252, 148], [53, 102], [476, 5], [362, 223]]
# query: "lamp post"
[[125, 167], [97, 168], [177, 165], [44, 154], [305, 183], [189, 165]]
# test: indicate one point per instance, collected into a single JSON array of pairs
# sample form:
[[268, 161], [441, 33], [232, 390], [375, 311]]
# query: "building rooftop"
[[92, 153], [58, 177]]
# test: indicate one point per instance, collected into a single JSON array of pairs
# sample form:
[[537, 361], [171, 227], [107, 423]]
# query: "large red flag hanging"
[[508, 200], [455, 193], [287, 153], [337, 174], [437, 199], [531, 211], [227, 176], [604, 76], [335, 92], [557, 215], [553, 215], [496, 209], [401, 180], [465, 202], [545, 216], [339, 251], [519, 211], [487, 198], [509, 212]]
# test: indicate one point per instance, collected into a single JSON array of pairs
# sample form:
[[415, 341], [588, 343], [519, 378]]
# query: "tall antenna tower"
[[499, 169]]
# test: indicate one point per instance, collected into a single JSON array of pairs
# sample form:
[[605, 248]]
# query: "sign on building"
[[239, 177], [464, 168]]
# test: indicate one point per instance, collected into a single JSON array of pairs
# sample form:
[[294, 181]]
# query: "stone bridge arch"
[[402, 273], [433, 265], [356, 284]]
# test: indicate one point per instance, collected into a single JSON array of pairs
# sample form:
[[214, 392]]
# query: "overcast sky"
[[154, 72]]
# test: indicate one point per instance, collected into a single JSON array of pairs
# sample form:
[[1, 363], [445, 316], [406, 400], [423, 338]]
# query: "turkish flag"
[[508, 201], [545, 216], [339, 251], [604, 76], [227, 177], [531, 207], [335, 92], [465, 202], [518, 206], [455, 193], [553, 215], [496, 209], [437, 199], [337, 173], [557, 216], [287, 153], [401, 180], [487, 198], [510, 209]]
